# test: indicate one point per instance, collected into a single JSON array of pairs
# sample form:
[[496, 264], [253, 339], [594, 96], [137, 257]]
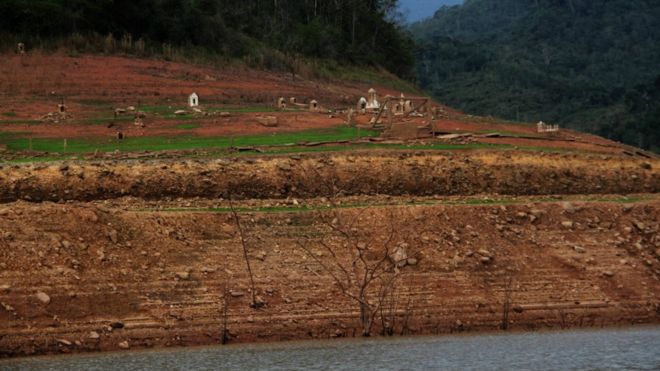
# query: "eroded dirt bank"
[[317, 175], [97, 276]]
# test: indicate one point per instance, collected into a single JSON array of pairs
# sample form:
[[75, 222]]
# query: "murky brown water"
[[617, 349]]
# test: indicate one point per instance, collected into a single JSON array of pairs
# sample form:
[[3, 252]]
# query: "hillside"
[[588, 65], [203, 225], [271, 34]]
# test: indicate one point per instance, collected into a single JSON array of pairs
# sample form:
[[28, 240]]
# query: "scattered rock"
[[117, 325], [484, 252], [412, 261], [113, 236], [124, 345], [518, 309], [180, 112], [639, 225], [267, 121], [399, 255], [567, 224], [5, 288], [236, 294], [261, 255], [646, 166], [183, 275], [225, 114], [608, 274], [94, 335], [579, 249], [485, 260], [64, 342], [43, 297]]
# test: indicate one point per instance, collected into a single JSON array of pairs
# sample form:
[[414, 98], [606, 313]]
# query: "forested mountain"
[[351, 31], [587, 64]]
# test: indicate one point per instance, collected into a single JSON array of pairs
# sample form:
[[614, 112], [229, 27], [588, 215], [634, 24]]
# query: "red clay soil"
[[31, 86], [98, 276]]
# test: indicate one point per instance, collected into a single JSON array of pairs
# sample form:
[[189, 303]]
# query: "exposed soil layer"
[[98, 276], [308, 176]]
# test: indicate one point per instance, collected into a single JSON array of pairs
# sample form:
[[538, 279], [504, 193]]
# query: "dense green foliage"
[[360, 32], [593, 65]]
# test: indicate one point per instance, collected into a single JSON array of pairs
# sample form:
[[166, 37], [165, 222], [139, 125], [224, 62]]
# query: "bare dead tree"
[[225, 336], [363, 269], [506, 306], [255, 303]]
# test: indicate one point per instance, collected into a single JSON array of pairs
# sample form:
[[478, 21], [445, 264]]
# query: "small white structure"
[[314, 106], [362, 105], [20, 48], [542, 127], [281, 103], [372, 100], [193, 100]]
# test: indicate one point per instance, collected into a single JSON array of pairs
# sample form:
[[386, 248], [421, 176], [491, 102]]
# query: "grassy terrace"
[[137, 144], [465, 202]]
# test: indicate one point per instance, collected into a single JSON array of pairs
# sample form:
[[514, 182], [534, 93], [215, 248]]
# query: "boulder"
[[64, 342], [183, 275], [113, 236], [43, 297], [399, 255], [123, 345], [94, 335], [267, 121]]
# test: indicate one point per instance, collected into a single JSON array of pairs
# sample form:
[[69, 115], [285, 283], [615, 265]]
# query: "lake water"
[[613, 349]]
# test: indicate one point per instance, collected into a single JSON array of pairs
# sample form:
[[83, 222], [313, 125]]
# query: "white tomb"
[[193, 100]]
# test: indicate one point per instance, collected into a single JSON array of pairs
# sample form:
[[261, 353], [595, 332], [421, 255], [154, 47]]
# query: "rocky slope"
[[115, 275]]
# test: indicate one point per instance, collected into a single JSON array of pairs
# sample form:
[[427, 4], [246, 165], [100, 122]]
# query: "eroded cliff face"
[[129, 273], [366, 173]]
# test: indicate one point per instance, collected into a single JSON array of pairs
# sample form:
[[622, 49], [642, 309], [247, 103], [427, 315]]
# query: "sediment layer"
[[96, 276], [331, 175]]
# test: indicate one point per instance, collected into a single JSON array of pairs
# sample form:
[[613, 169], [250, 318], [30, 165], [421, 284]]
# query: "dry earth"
[[116, 253]]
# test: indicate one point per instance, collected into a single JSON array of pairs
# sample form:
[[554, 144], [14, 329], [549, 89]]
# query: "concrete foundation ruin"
[[542, 127]]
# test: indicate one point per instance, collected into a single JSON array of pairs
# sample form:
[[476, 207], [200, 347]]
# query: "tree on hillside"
[[363, 32], [571, 62]]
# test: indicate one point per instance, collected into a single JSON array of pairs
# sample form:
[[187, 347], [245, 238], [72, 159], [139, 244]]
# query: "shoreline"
[[319, 343]]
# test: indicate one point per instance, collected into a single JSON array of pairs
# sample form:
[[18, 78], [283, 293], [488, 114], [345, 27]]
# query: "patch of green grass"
[[255, 109], [187, 126], [21, 122], [167, 112], [134, 144], [422, 203], [9, 114]]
